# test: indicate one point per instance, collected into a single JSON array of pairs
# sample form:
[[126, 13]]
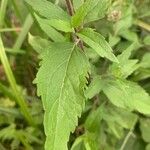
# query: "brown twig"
[[70, 7], [71, 13]]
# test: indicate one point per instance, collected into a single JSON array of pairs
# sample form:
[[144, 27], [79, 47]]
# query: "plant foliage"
[[92, 78]]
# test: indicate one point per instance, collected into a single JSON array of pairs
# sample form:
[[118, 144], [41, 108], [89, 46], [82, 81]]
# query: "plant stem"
[[19, 98], [14, 3], [11, 111], [143, 25], [70, 7], [10, 29], [3, 11], [71, 13], [7, 92], [126, 139], [25, 29]]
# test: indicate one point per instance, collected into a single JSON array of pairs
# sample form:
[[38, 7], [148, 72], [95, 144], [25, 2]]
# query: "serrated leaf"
[[98, 11], [128, 95], [61, 80], [48, 10], [98, 43], [38, 44], [82, 12], [50, 31], [89, 11]]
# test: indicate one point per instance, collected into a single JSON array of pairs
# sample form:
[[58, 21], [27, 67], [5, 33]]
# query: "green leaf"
[[77, 3], [126, 20], [126, 66], [145, 62], [143, 71], [148, 147], [50, 31], [61, 80], [130, 36], [122, 117], [113, 40], [98, 11], [98, 43], [118, 119], [85, 142], [134, 143], [48, 10], [58, 24], [128, 95], [78, 144], [83, 11], [93, 121], [38, 44], [94, 88], [144, 127], [147, 40]]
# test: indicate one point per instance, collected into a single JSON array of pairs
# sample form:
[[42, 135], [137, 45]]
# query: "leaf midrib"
[[61, 91]]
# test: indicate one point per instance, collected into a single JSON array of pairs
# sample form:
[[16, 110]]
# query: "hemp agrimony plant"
[[79, 72]]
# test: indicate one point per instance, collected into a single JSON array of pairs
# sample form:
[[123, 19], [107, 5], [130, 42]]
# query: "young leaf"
[[128, 95], [38, 44], [48, 10], [98, 43], [50, 31], [83, 11], [61, 80]]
